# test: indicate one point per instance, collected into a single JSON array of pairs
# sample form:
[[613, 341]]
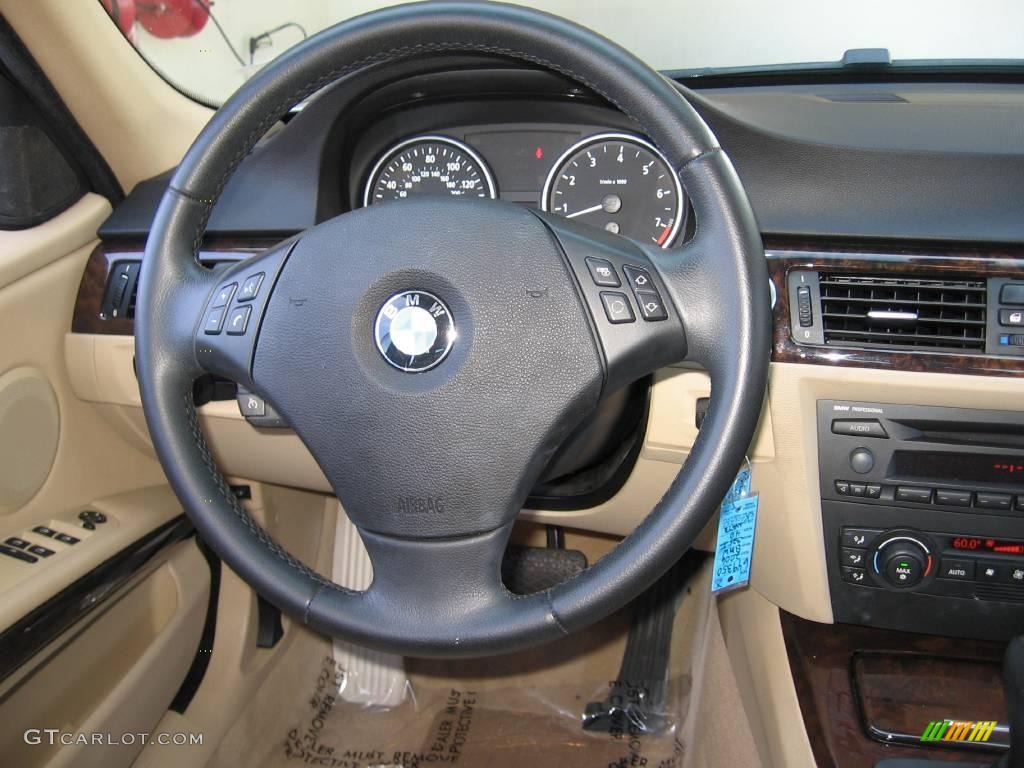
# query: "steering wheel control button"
[[652, 308], [862, 461], [251, 405], [251, 287], [639, 279], [956, 568], [17, 554], [214, 321], [603, 273], [915, 495], [414, 331], [223, 297], [858, 428], [238, 320], [617, 308]]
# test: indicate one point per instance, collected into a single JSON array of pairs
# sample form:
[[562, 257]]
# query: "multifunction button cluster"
[[233, 319], [960, 498], [1012, 316], [28, 548], [902, 559], [617, 306]]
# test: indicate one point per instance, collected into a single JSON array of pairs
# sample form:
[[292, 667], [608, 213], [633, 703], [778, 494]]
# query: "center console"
[[923, 515]]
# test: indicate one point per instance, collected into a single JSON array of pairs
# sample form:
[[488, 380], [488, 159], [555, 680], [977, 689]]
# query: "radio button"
[[916, 495], [854, 575], [854, 558], [873, 491], [869, 428], [858, 489], [1020, 503], [992, 500], [862, 461], [857, 537], [953, 568], [953, 498], [842, 488]]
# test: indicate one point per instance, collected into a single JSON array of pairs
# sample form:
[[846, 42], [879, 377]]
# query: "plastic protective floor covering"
[[522, 709]]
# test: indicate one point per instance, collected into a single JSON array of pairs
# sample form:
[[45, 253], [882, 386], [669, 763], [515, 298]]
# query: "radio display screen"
[[959, 467]]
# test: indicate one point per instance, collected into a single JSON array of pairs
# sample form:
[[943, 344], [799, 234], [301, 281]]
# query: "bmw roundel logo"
[[414, 331]]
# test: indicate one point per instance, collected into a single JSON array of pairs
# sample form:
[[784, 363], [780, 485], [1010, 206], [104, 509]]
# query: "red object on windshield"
[[172, 18]]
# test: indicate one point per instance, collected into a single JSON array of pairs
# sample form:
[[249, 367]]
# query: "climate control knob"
[[903, 561]]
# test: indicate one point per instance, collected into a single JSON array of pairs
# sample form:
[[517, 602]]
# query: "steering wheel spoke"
[[231, 312]]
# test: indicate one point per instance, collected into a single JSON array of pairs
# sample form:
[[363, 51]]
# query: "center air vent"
[[907, 312]]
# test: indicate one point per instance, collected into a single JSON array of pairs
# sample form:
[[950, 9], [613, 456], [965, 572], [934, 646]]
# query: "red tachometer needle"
[[664, 234]]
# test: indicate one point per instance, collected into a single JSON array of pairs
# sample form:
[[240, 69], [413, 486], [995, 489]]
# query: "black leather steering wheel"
[[433, 466]]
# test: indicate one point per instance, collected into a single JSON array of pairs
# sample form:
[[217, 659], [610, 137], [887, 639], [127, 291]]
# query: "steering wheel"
[[433, 353]]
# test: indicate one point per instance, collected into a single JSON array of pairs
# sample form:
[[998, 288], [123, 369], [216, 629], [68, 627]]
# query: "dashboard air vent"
[[908, 312]]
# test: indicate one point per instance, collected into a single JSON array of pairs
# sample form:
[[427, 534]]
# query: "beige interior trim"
[[24, 251], [757, 650], [130, 516], [139, 123], [118, 675]]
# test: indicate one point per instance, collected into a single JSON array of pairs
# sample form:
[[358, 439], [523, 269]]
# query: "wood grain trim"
[[822, 658], [786, 255], [88, 314]]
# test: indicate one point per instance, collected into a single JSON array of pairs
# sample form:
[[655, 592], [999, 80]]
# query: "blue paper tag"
[[737, 520]]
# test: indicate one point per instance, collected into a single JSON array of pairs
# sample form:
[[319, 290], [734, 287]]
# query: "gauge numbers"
[[429, 165], [619, 182]]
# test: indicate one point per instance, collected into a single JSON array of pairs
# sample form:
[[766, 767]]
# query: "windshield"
[[208, 48]]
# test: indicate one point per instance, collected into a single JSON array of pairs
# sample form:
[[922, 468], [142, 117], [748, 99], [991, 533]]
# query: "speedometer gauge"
[[429, 165], [619, 182]]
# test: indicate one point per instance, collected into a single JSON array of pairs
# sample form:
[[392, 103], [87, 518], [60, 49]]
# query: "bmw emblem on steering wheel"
[[414, 331]]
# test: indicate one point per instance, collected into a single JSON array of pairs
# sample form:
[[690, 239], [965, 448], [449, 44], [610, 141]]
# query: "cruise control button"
[[251, 287], [238, 320], [223, 297], [651, 306], [252, 405], [854, 575], [859, 428], [916, 495], [857, 537], [992, 500], [953, 498], [639, 279], [616, 307], [603, 273], [214, 321], [855, 558], [955, 568]]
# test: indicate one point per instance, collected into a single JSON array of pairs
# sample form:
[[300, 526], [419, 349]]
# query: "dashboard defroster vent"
[[907, 312]]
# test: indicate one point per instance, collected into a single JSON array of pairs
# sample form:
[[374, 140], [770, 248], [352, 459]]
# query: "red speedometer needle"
[[664, 234]]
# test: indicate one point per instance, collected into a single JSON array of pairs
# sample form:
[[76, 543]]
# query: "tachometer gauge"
[[619, 182], [429, 165]]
